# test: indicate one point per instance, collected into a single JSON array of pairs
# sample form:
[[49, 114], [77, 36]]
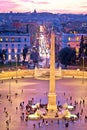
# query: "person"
[[42, 120], [39, 124], [4, 109], [22, 91], [46, 122], [0, 95], [9, 118], [6, 114], [7, 123], [56, 115], [26, 120], [16, 109], [66, 124], [34, 125]]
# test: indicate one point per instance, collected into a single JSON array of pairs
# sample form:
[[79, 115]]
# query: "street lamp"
[[16, 69], [9, 96], [83, 69], [83, 59]]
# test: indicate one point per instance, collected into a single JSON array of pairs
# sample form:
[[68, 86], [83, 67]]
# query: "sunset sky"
[[54, 6]]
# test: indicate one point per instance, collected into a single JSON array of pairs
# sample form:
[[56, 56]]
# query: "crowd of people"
[[26, 109]]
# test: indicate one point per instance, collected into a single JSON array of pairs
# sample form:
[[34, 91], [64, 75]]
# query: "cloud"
[[84, 6], [35, 2], [7, 5], [29, 1], [43, 2]]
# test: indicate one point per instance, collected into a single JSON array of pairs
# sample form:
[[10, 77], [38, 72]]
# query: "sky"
[[54, 6]]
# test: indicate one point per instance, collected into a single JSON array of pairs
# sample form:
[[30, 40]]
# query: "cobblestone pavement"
[[38, 89]]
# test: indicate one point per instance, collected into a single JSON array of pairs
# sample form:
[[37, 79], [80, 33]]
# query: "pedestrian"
[[46, 123], [43, 120], [40, 101], [85, 118], [83, 102], [22, 91], [6, 114], [80, 102], [9, 118], [7, 123], [81, 111], [39, 125], [58, 121], [26, 120], [70, 97], [0, 95], [2, 81], [66, 124], [7, 96], [16, 109], [34, 125], [4, 109], [7, 128], [51, 121], [58, 102]]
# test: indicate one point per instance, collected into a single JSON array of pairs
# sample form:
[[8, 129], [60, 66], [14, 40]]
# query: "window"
[[18, 45], [12, 39], [19, 40], [69, 38], [12, 45], [1, 39], [77, 38], [12, 50], [6, 39], [0, 45], [19, 50], [25, 39], [6, 45]]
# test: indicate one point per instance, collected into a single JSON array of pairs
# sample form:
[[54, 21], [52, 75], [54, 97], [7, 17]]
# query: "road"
[[38, 89]]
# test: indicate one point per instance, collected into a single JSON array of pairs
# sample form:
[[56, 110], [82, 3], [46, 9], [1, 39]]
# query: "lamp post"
[[16, 69], [9, 96], [83, 59], [83, 69]]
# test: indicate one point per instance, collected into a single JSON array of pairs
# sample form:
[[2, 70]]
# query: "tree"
[[82, 47], [25, 51], [67, 56], [3, 56], [34, 56]]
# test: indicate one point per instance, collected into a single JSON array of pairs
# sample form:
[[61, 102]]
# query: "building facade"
[[13, 44]]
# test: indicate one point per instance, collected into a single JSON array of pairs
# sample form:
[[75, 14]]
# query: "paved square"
[[32, 88]]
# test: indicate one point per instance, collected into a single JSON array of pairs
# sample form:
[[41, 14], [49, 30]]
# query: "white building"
[[14, 44]]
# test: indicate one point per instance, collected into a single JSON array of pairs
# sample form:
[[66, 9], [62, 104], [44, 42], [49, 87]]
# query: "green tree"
[[3, 56], [67, 56], [25, 51], [82, 47]]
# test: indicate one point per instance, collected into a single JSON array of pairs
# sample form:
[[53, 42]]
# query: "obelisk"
[[52, 105]]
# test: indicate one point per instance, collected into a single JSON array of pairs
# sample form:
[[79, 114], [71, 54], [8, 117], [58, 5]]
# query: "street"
[[26, 89]]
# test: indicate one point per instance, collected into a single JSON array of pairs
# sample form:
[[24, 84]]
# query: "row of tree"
[[66, 56]]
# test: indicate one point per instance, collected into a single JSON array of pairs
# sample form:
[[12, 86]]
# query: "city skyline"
[[54, 6]]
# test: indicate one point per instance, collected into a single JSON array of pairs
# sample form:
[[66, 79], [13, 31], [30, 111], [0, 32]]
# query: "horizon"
[[50, 6]]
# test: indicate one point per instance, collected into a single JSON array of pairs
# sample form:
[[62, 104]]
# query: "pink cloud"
[[42, 2], [32, 1], [84, 6], [7, 5]]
